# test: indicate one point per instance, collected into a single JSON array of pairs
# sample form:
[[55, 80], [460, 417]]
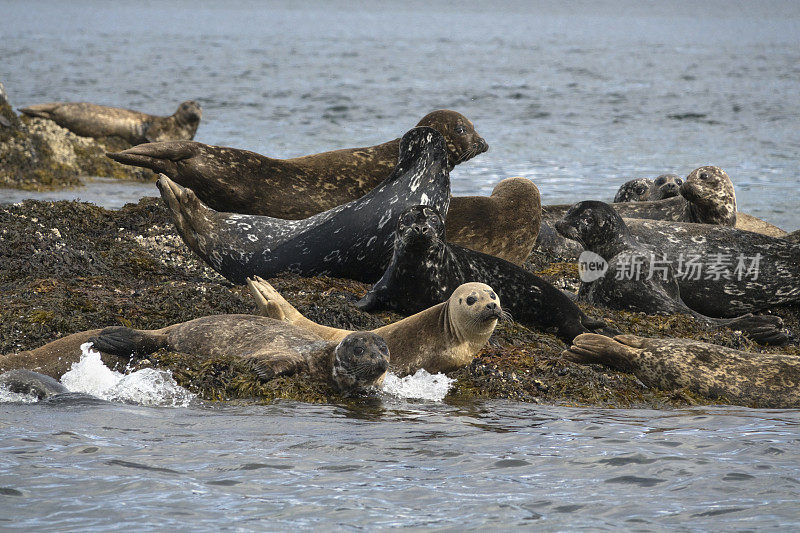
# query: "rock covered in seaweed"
[[38, 154]]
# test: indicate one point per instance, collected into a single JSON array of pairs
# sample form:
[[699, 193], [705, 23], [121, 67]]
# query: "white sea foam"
[[422, 386], [144, 387], [15, 397]]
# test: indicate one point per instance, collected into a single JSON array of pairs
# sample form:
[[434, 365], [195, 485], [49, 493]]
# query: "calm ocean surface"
[[577, 98]]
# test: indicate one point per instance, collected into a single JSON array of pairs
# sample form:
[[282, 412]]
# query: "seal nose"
[[483, 146], [491, 306]]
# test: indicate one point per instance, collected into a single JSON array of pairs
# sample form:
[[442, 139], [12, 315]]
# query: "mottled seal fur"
[[715, 372], [352, 364], [442, 338], [24, 381], [504, 224], [91, 120], [238, 181], [353, 240], [651, 287], [727, 286], [425, 269], [635, 190], [665, 186]]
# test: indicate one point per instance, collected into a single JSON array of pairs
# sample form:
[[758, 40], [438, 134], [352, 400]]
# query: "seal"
[[22, 381], [353, 240], [424, 269], [793, 237], [91, 120], [715, 372], [635, 190], [353, 364], [665, 186], [636, 280], [720, 271], [238, 181], [442, 338], [504, 225]]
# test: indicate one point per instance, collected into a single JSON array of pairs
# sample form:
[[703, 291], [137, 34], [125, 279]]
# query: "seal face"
[[362, 358], [635, 190], [352, 240], [239, 181], [720, 271], [665, 186], [424, 269], [442, 338], [91, 120], [715, 372], [636, 278], [504, 225]]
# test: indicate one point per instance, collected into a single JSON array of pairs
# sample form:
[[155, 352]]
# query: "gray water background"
[[576, 97]]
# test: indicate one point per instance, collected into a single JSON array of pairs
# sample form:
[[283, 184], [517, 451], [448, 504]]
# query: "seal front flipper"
[[277, 365], [161, 157], [122, 341]]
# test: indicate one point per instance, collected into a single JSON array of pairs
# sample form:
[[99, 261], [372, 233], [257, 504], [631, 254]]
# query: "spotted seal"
[[636, 280], [442, 338], [91, 120], [504, 225], [715, 372], [635, 190], [238, 181], [424, 270], [353, 240], [744, 272], [22, 381], [665, 186]]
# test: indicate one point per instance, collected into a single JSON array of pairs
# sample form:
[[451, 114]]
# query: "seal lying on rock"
[[353, 240], [744, 271], [504, 224], [273, 348], [353, 364], [635, 280], [91, 120], [238, 181], [424, 269], [24, 381], [441, 338], [715, 372]]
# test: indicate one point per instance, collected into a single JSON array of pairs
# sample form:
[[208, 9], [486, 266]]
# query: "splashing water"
[[144, 387], [16, 397], [422, 385]]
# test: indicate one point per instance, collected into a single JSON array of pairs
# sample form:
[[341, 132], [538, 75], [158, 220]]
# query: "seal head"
[[711, 197], [665, 186], [635, 190], [360, 362], [463, 142], [597, 227]]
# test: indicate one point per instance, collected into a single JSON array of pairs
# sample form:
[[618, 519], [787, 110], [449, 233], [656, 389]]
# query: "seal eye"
[[640, 189], [660, 181], [492, 295], [471, 300], [460, 129], [358, 350], [678, 181], [704, 176]]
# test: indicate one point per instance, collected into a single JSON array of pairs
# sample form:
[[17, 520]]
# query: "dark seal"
[[715, 372], [23, 381], [504, 224], [425, 269], [665, 186], [635, 190], [721, 271], [636, 280], [91, 120], [238, 181], [353, 240]]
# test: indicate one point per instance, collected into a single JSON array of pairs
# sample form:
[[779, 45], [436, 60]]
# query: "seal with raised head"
[[353, 240], [636, 280], [504, 224], [721, 271], [635, 190], [92, 120], [715, 372], [665, 186], [442, 338], [238, 181], [424, 269]]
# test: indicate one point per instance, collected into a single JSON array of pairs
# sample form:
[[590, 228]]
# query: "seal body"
[[353, 240], [504, 225], [239, 181], [721, 271], [24, 381], [91, 120], [441, 338], [715, 372], [425, 269]]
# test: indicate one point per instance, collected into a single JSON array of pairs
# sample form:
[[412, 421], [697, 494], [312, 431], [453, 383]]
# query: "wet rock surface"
[[38, 154], [72, 266]]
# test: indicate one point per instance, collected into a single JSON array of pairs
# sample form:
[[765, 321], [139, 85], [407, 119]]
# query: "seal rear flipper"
[[157, 156], [590, 348], [40, 110], [124, 342], [763, 329]]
